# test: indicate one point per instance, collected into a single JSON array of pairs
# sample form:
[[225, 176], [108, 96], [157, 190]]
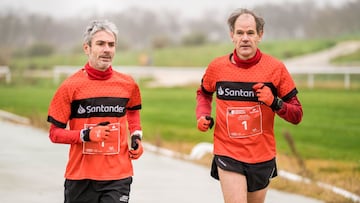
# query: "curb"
[[7, 116]]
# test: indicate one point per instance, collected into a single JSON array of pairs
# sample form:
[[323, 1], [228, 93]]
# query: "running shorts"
[[94, 191], [257, 175]]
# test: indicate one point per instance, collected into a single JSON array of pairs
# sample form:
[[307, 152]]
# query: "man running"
[[251, 88], [92, 111]]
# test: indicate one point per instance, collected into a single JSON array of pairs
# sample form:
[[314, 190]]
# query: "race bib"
[[108, 147], [244, 122]]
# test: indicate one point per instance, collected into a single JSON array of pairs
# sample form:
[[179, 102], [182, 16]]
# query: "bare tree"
[[140, 28], [332, 22]]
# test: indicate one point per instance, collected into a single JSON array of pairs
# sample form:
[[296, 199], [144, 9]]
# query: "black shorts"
[[257, 175], [94, 191]]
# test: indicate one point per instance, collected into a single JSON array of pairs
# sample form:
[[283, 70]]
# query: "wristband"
[[277, 104], [85, 135], [138, 132]]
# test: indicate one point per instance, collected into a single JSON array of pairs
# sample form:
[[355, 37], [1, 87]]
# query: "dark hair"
[[259, 20]]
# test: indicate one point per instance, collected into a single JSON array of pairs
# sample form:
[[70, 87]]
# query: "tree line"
[[141, 28]]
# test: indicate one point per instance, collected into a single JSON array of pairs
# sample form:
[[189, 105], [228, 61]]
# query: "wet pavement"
[[32, 168]]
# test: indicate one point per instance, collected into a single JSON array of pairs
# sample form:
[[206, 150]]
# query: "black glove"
[[211, 121], [134, 144]]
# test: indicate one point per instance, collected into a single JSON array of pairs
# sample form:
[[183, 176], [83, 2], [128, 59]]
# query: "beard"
[[101, 62]]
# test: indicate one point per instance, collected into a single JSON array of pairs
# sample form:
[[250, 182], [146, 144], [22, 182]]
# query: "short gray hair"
[[99, 25]]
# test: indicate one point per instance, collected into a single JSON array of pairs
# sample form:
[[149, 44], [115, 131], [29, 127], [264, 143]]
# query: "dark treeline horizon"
[[141, 28]]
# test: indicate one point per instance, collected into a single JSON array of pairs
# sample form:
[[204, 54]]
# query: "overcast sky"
[[185, 8]]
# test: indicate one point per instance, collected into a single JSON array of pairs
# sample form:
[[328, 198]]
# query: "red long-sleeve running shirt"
[[82, 102], [244, 127]]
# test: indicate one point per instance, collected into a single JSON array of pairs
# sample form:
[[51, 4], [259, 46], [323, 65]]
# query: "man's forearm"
[[291, 111]]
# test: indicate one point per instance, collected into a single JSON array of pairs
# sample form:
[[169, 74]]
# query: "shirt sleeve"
[[64, 136], [286, 85], [60, 107], [135, 98], [203, 103], [133, 118], [291, 110]]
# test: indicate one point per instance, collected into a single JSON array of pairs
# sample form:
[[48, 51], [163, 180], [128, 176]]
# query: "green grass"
[[25, 100], [287, 49], [330, 128], [170, 113], [188, 56]]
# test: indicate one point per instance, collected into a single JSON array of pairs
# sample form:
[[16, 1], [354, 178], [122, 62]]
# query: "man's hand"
[[136, 147], [134, 143], [204, 123], [263, 93], [98, 133]]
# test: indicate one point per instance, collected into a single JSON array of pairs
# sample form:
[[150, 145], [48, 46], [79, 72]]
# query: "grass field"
[[327, 140], [330, 128]]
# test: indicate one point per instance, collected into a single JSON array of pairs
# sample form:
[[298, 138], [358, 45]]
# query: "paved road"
[[31, 171], [322, 58]]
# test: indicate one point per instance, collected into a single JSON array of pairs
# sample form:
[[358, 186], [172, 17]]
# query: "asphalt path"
[[32, 168]]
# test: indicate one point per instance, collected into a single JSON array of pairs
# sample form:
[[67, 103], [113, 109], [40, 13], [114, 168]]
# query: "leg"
[[116, 191], [79, 191], [259, 180], [257, 196], [233, 186]]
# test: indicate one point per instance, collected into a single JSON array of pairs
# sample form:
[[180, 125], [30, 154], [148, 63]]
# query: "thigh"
[[116, 191], [257, 197], [79, 191], [233, 186]]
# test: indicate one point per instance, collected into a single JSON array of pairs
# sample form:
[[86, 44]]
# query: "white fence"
[[5, 71], [180, 76], [325, 70]]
